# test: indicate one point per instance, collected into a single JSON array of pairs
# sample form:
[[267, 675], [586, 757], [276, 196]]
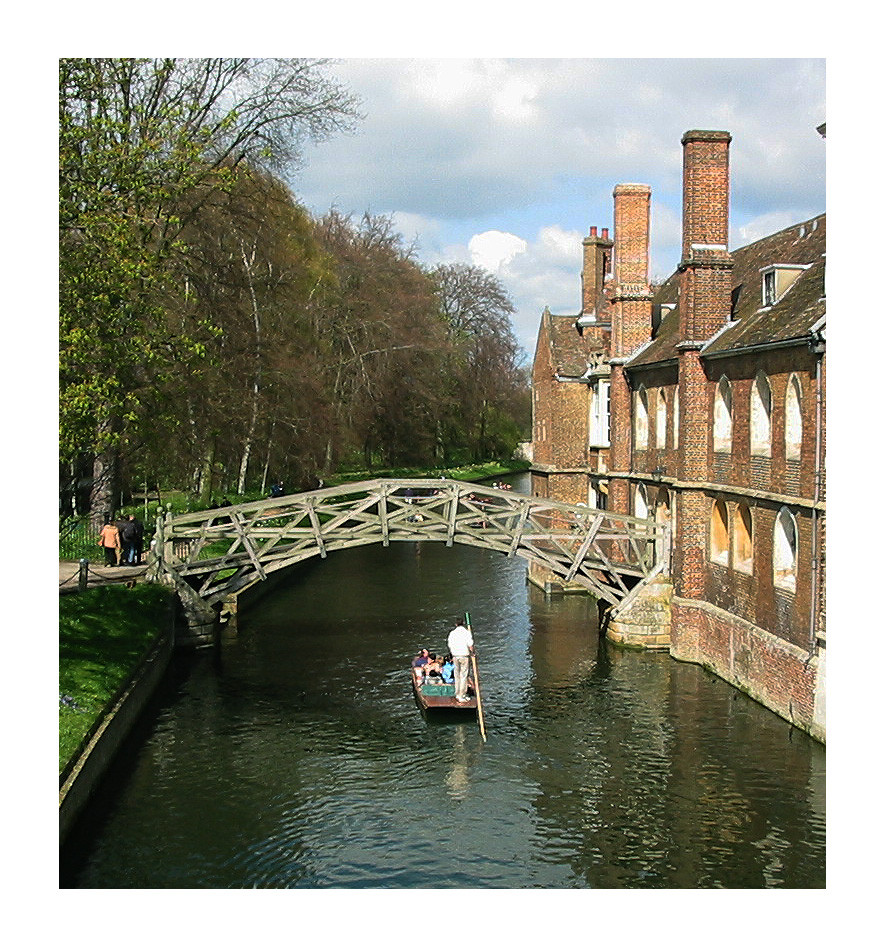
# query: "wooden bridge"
[[210, 556]]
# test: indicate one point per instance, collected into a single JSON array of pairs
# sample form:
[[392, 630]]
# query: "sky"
[[506, 163]]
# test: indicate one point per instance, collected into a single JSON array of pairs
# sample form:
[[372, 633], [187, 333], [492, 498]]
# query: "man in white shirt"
[[461, 646]]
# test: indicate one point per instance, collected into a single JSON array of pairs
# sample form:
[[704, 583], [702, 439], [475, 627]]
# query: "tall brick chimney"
[[705, 262], [596, 264], [630, 293], [631, 314], [704, 307]]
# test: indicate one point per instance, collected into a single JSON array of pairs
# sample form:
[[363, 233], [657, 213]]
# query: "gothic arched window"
[[723, 417], [743, 547], [793, 422], [785, 550], [661, 418], [675, 420], [759, 422], [719, 548], [641, 419]]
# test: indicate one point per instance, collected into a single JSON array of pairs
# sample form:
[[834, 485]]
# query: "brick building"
[[702, 403]]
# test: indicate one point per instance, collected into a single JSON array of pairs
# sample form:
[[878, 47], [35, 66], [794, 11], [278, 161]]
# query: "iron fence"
[[78, 540]]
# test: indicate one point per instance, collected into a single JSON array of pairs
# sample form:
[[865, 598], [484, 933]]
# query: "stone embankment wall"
[[79, 784], [783, 677]]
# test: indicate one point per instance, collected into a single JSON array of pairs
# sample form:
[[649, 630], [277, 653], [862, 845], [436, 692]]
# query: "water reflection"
[[458, 776]]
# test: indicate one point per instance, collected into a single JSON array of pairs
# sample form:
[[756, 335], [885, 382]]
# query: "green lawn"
[[468, 473], [103, 634]]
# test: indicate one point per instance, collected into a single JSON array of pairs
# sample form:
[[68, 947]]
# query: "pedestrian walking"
[[132, 534], [109, 540], [121, 525]]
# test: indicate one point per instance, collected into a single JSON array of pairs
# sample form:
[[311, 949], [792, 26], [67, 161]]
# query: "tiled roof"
[[788, 319], [570, 349]]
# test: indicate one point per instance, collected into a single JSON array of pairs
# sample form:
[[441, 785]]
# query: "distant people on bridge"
[[461, 646], [133, 534], [109, 540], [276, 489]]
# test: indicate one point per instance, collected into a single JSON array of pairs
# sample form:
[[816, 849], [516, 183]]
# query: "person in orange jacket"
[[109, 539]]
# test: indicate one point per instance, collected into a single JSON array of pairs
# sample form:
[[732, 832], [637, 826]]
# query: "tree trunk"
[[206, 473], [248, 264], [103, 494], [244, 465], [267, 458]]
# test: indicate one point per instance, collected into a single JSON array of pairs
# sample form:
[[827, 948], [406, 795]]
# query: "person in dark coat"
[[120, 523], [132, 534]]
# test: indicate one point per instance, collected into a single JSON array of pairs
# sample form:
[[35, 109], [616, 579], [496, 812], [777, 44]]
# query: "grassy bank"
[[103, 634], [466, 474]]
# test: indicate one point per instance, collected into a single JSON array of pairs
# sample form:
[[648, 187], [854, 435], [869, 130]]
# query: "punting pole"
[[480, 708]]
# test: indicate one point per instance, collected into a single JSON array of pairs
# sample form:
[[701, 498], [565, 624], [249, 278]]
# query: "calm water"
[[294, 754]]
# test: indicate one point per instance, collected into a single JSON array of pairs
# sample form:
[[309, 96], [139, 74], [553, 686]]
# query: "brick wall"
[[694, 456], [630, 295], [778, 674], [543, 384], [706, 190], [773, 473]]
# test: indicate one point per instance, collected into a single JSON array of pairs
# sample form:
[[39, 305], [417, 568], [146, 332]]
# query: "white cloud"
[[557, 246], [537, 273], [493, 249], [515, 100]]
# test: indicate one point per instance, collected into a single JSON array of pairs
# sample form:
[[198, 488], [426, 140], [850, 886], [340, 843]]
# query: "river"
[[293, 755]]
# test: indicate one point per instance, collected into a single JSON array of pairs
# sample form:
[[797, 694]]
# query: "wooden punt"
[[441, 697]]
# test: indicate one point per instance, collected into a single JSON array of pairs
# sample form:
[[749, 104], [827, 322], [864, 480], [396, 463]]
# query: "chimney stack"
[[631, 293], [596, 252], [704, 300], [705, 262]]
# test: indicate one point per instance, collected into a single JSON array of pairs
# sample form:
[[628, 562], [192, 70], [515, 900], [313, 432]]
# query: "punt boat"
[[441, 697]]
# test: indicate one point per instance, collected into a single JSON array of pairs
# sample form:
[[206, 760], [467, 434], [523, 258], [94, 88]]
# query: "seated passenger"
[[421, 659], [432, 669], [446, 670]]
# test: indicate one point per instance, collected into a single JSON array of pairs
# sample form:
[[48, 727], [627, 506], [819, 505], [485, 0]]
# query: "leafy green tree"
[[144, 145]]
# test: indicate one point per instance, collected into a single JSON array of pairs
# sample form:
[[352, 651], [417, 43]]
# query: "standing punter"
[[461, 646]]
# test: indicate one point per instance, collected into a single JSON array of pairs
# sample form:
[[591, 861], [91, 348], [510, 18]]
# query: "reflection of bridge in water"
[[210, 556]]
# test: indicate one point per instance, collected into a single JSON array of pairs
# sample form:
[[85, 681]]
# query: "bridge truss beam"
[[222, 551]]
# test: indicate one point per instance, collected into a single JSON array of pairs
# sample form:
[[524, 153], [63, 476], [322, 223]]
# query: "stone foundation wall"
[[646, 623], [784, 678]]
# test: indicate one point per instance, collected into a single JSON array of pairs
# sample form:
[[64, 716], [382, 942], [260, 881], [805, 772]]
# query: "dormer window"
[[776, 279], [660, 312]]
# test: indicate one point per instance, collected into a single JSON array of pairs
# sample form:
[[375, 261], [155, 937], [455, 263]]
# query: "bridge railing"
[[222, 550]]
